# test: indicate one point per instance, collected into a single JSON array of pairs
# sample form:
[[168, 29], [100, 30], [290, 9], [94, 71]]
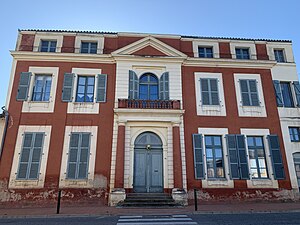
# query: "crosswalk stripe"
[[129, 217], [160, 223], [155, 219]]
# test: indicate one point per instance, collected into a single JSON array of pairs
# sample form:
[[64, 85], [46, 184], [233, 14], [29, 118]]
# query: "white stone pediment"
[[146, 42]]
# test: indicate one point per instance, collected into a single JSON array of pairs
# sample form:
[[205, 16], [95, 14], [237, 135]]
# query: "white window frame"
[[89, 38], [65, 182], [210, 110], [242, 44], [47, 37], [206, 44], [287, 49], [264, 182], [84, 107], [43, 106], [249, 111], [36, 183]]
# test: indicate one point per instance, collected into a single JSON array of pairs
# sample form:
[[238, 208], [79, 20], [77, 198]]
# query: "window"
[[85, 89], [249, 92], [279, 55], [89, 47], [209, 91], [48, 46], [294, 134], [148, 87], [42, 87], [286, 94], [242, 53], [30, 156], [214, 157], [257, 158], [79, 153], [205, 52]]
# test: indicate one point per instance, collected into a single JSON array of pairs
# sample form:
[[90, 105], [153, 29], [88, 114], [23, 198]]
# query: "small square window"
[[294, 134], [242, 53], [48, 46], [205, 52], [89, 47], [279, 55]]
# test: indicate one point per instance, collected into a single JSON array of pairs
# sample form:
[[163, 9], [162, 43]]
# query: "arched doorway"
[[148, 163]]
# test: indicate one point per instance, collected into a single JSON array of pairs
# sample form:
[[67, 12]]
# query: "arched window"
[[148, 87]]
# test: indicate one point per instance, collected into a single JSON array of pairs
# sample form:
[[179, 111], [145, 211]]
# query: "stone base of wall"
[[227, 195]]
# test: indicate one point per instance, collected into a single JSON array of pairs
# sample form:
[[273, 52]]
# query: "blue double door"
[[148, 164]]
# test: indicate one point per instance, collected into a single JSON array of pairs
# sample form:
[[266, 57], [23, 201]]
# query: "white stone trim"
[[206, 43], [287, 51], [11, 82], [210, 110], [86, 183], [243, 44], [28, 184], [47, 37], [84, 107], [89, 38], [43, 106], [222, 182], [261, 183], [250, 111]]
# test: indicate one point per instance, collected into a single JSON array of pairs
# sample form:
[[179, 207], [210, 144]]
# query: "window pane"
[[217, 140], [81, 80], [218, 153], [209, 153], [208, 140], [287, 95], [258, 141]]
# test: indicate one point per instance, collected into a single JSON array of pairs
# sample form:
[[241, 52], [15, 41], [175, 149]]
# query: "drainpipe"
[[6, 115]]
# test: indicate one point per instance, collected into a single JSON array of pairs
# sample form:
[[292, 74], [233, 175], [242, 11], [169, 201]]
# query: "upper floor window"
[[214, 156], [257, 157], [85, 89], [48, 46], [79, 153], [89, 47], [294, 134], [30, 157], [205, 52], [209, 91], [242, 53], [249, 92], [42, 87], [148, 87], [279, 55]]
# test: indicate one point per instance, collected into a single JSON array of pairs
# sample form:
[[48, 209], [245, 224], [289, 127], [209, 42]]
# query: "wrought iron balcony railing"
[[148, 104]]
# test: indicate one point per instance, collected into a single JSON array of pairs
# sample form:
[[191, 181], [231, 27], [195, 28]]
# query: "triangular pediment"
[[149, 46]]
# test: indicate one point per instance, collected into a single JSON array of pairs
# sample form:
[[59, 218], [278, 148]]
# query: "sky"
[[274, 19]]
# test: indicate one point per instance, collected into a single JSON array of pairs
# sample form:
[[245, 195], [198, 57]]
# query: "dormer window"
[[48, 46], [89, 47], [242, 53], [279, 55], [205, 52]]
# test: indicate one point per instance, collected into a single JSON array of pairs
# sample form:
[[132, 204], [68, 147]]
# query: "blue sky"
[[275, 19]]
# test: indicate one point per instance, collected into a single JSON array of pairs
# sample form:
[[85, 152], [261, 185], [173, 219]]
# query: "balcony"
[[148, 104]]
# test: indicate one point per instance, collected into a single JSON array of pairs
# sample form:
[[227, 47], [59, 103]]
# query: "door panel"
[[140, 169], [156, 181]]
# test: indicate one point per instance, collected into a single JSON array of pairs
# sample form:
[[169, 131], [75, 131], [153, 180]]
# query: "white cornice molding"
[[229, 63], [149, 41]]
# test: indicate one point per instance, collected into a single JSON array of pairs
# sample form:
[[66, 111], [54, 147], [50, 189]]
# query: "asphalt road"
[[200, 219]]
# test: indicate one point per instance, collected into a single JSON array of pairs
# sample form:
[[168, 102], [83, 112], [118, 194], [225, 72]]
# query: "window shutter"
[[23, 88], [214, 92], [68, 87], [84, 156], [243, 159], [25, 156], [164, 86], [233, 156], [133, 85], [278, 94], [245, 93], [297, 92], [253, 93], [101, 88], [278, 168], [73, 155], [36, 155], [198, 156]]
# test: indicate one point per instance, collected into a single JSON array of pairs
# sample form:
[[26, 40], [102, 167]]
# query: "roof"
[[182, 36]]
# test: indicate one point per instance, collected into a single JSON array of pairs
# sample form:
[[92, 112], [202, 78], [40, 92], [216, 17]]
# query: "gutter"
[[6, 115]]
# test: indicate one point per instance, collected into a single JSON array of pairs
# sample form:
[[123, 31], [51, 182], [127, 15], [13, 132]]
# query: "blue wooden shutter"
[[204, 86], [164, 86], [278, 94], [297, 92], [73, 155], [233, 156], [84, 156], [245, 93], [243, 158], [214, 92], [101, 88], [133, 85], [253, 93], [23, 88], [68, 87], [278, 168], [36, 155], [30, 157], [198, 156]]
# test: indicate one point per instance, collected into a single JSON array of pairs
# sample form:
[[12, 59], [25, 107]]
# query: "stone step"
[[148, 204], [148, 200]]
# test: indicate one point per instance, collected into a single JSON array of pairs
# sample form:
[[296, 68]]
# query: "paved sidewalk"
[[98, 210]]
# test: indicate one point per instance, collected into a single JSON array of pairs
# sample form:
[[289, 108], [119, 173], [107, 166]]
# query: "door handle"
[[156, 171]]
